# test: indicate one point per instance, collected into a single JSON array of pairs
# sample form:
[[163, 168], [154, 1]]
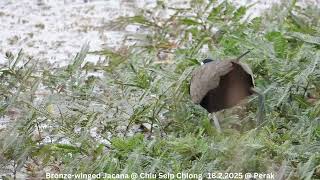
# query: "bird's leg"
[[215, 121], [260, 114]]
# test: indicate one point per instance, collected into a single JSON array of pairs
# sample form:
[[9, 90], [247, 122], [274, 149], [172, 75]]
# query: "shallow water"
[[54, 30]]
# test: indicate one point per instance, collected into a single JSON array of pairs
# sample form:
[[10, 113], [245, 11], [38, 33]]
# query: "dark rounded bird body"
[[218, 85]]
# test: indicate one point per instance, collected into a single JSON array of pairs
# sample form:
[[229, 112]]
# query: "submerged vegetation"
[[137, 115]]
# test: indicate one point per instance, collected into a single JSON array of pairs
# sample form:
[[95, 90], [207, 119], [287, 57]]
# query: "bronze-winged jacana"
[[218, 85]]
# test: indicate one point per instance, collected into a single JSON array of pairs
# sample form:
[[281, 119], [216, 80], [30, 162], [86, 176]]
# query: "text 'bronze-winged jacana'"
[[218, 85]]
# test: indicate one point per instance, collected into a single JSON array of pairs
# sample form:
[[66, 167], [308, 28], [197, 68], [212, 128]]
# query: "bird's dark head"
[[206, 61]]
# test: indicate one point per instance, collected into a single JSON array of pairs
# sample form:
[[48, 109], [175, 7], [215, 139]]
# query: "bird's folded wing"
[[207, 77], [247, 70]]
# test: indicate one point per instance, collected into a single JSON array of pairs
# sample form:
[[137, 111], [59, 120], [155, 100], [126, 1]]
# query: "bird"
[[222, 84]]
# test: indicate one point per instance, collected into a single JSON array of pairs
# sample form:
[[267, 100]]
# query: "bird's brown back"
[[206, 78], [233, 87]]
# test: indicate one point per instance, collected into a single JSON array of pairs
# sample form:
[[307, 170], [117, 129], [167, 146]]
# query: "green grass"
[[55, 110]]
